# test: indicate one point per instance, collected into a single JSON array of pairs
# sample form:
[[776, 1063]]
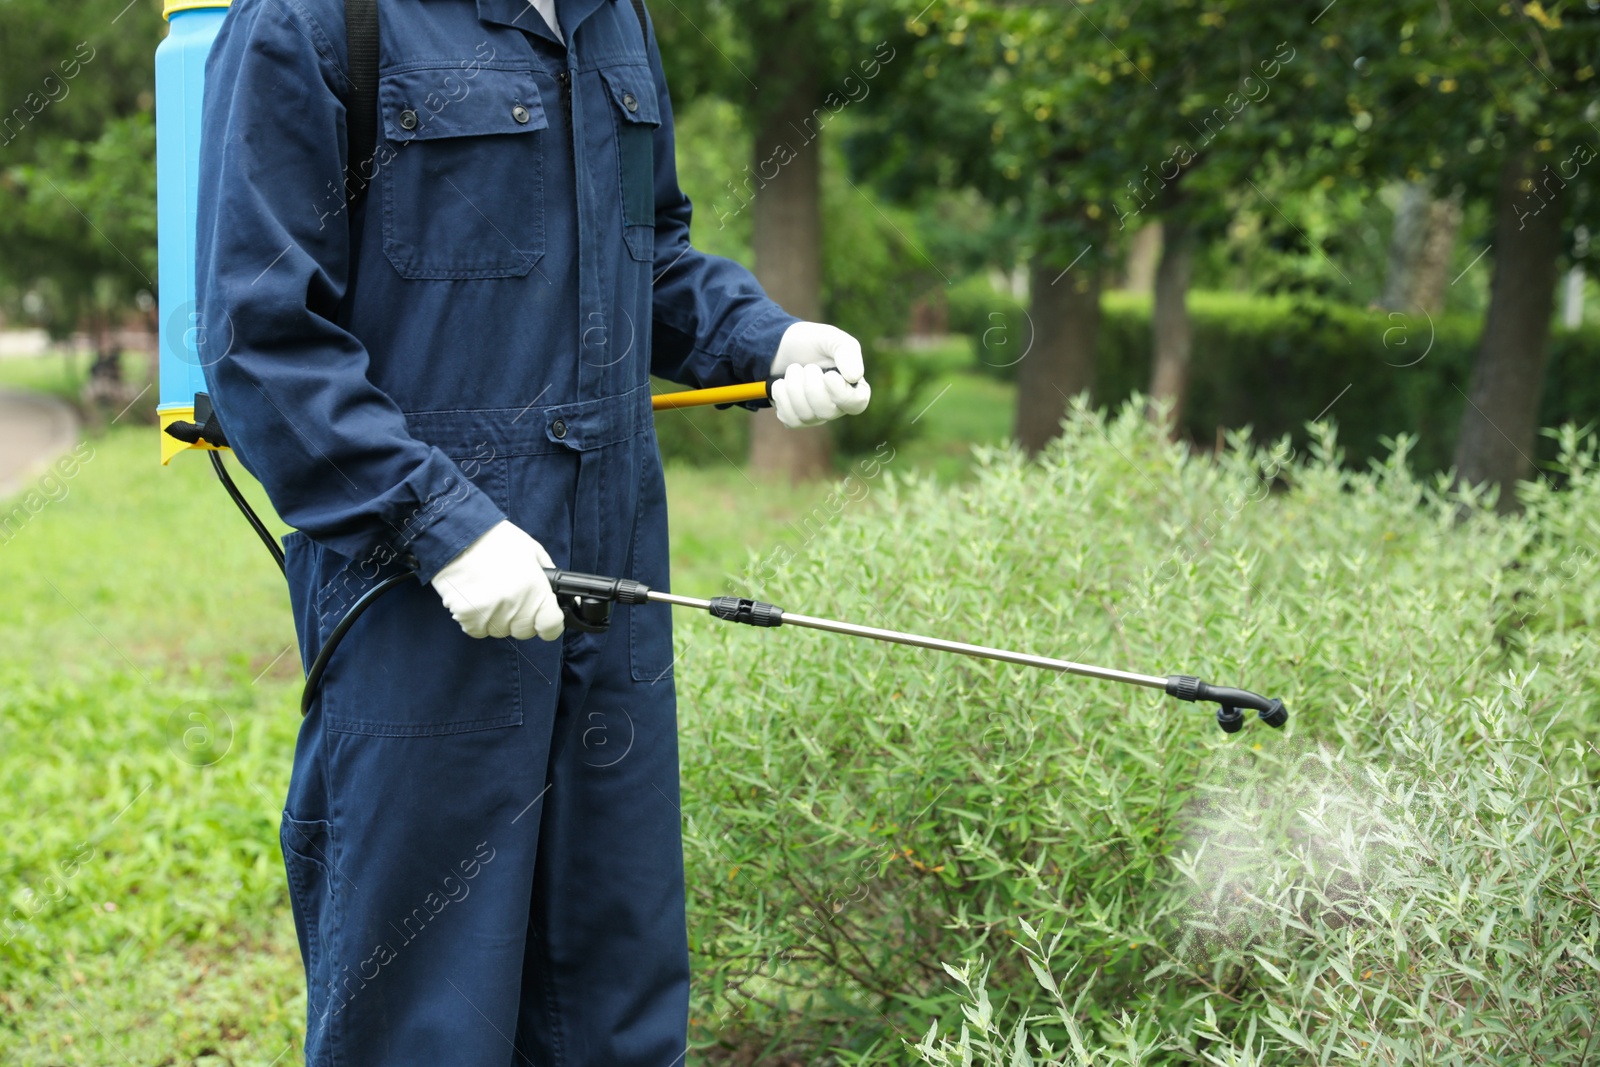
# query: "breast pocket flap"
[[438, 103]]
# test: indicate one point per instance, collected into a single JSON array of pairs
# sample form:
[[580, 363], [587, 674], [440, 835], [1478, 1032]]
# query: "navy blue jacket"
[[523, 247]]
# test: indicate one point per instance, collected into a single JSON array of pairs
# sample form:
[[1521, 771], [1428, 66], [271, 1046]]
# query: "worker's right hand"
[[497, 587]]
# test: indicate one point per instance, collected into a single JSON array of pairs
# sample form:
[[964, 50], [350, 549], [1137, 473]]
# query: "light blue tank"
[[180, 81]]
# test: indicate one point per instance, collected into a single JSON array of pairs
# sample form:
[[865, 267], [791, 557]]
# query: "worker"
[[482, 830]]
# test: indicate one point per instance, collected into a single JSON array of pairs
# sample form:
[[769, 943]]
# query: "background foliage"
[[897, 857]]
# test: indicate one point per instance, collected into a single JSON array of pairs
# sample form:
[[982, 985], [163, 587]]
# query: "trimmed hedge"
[[1275, 363]]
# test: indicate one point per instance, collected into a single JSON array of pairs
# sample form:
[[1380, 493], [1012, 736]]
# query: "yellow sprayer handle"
[[689, 398], [722, 394]]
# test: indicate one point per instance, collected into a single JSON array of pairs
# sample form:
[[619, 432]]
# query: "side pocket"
[[405, 668], [306, 847]]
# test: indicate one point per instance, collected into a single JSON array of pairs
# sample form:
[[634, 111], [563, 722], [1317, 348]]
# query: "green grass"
[[963, 409], [147, 694], [59, 373]]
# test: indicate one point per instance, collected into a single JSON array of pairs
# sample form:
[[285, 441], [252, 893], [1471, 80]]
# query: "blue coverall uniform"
[[482, 836]]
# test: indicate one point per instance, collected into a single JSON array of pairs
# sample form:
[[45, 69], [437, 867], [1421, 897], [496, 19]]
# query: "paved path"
[[34, 429]]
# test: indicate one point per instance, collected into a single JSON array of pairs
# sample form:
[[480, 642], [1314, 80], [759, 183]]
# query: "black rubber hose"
[[331, 645], [249, 513]]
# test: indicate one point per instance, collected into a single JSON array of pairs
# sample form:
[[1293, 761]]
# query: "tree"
[[1219, 96], [984, 102], [790, 67], [1501, 101], [77, 159], [1500, 421], [1099, 118]]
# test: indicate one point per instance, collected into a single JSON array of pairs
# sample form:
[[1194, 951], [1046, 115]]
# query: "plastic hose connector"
[[1184, 687], [749, 612]]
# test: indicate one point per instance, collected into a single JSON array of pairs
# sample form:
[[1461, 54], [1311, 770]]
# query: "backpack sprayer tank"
[[180, 83]]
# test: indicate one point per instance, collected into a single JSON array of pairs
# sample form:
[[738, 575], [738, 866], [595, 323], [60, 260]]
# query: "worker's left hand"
[[806, 396]]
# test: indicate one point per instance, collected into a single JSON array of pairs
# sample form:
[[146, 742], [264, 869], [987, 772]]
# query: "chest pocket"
[[637, 115], [463, 160]]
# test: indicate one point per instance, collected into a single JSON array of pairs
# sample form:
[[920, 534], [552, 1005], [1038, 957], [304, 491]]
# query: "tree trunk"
[[1144, 253], [1173, 335], [787, 238], [1065, 312], [1499, 424]]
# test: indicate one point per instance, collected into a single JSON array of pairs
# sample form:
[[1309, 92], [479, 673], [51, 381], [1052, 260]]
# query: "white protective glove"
[[497, 587], [806, 396]]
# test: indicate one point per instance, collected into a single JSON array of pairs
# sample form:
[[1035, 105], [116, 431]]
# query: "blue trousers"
[[482, 837]]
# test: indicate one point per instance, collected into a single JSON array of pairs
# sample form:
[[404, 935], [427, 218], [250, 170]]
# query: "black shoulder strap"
[[644, 27], [361, 112]]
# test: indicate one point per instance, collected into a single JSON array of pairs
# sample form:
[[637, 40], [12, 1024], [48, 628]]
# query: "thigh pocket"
[[462, 171], [405, 668], [306, 847], [637, 115]]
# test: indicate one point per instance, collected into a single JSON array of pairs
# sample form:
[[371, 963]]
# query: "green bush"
[[1401, 876], [1274, 363]]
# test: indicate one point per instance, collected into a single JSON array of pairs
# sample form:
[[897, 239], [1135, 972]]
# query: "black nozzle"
[[1229, 715]]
